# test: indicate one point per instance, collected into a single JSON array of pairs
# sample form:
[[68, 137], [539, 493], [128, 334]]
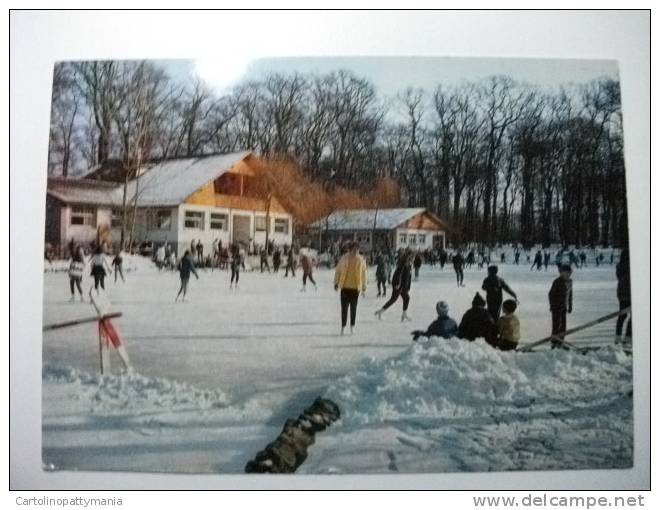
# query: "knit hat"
[[442, 308], [478, 300], [492, 270]]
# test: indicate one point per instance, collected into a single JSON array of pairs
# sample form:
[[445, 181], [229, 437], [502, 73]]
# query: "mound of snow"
[[125, 392], [454, 378]]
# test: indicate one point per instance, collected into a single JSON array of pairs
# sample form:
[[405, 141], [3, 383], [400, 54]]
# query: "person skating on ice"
[[350, 279], [307, 268], [235, 266], [623, 293], [99, 264], [381, 274], [561, 302], [417, 263], [401, 281], [186, 266], [494, 285], [459, 263], [76, 268], [118, 263], [277, 259], [290, 263]]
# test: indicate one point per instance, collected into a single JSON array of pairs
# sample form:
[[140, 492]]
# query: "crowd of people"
[[492, 318]]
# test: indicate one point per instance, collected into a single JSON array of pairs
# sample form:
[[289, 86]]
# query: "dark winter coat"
[[494, 285], [381, 268], [444, 327], [623, 277], [561, 295], [417, 263], [477, 323], [401, 279], [458, 261], [186, 266]]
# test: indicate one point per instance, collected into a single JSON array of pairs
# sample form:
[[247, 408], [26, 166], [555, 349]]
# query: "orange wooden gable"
[[425, 221], [206, 194]]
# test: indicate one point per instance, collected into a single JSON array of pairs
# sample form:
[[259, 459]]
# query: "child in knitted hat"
[[477, 323], [444, 326]]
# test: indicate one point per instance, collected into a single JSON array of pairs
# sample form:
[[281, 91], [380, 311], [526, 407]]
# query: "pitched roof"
[[363, 219], [171, 182], [167, 183], [82, 191]]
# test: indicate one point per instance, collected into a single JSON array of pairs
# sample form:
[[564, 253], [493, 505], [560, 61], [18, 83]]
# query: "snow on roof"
[[83, 191], [167, 183], [171, 182], [363, 219]]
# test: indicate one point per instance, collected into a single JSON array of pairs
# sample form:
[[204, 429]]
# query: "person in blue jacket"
[[444, 326], [186, 266]]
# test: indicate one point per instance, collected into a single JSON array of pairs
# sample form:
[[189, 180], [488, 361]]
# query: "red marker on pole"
[[108, 335]]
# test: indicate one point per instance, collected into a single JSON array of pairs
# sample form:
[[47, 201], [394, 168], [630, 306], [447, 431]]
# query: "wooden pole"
[[559, 337], [67, 324]]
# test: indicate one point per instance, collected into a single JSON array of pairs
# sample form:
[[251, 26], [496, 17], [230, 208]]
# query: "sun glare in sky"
[[221, 72]]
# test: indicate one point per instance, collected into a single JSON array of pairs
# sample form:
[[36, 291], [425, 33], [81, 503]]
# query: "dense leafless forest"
[[499, 161]]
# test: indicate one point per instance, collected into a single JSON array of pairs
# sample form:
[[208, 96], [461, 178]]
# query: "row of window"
[[220, 221], [412, 239], [162, 220]]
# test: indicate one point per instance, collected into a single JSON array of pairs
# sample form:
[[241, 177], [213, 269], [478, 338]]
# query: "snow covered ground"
[[217, 376]]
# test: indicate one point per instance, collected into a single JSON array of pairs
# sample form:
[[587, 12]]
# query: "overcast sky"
[[393, 74]]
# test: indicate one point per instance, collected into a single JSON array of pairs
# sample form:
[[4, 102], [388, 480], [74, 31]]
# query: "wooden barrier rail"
[[560, 338]]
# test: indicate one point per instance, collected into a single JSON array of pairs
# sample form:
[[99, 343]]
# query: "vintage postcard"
[[337, 266]]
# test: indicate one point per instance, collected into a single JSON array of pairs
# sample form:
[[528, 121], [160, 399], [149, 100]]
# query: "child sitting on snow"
[[477, 323], [444, 326], [508, 327]]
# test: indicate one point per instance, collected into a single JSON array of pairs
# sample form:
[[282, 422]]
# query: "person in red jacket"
[[307, 267]]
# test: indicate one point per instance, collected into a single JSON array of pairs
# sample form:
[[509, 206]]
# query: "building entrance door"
[[240, 232]]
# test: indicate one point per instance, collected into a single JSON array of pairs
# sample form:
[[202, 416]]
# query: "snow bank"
[[121, 393], [455, 378]]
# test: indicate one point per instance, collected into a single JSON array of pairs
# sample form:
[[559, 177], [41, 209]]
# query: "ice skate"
[[341, 333], [303, 289], [405, 317], [352, 330], [379, 314], [73, 298]]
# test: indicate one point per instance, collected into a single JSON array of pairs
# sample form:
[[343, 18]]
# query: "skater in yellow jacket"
[[351, 278]]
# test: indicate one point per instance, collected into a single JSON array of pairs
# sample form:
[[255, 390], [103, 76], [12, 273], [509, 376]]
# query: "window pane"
[[164, 220], [194, 219], [260, 223], [219, 221], [282, 225]]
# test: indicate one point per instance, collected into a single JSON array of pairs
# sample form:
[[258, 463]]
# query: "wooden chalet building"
[[178, 200], [414, 228]]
